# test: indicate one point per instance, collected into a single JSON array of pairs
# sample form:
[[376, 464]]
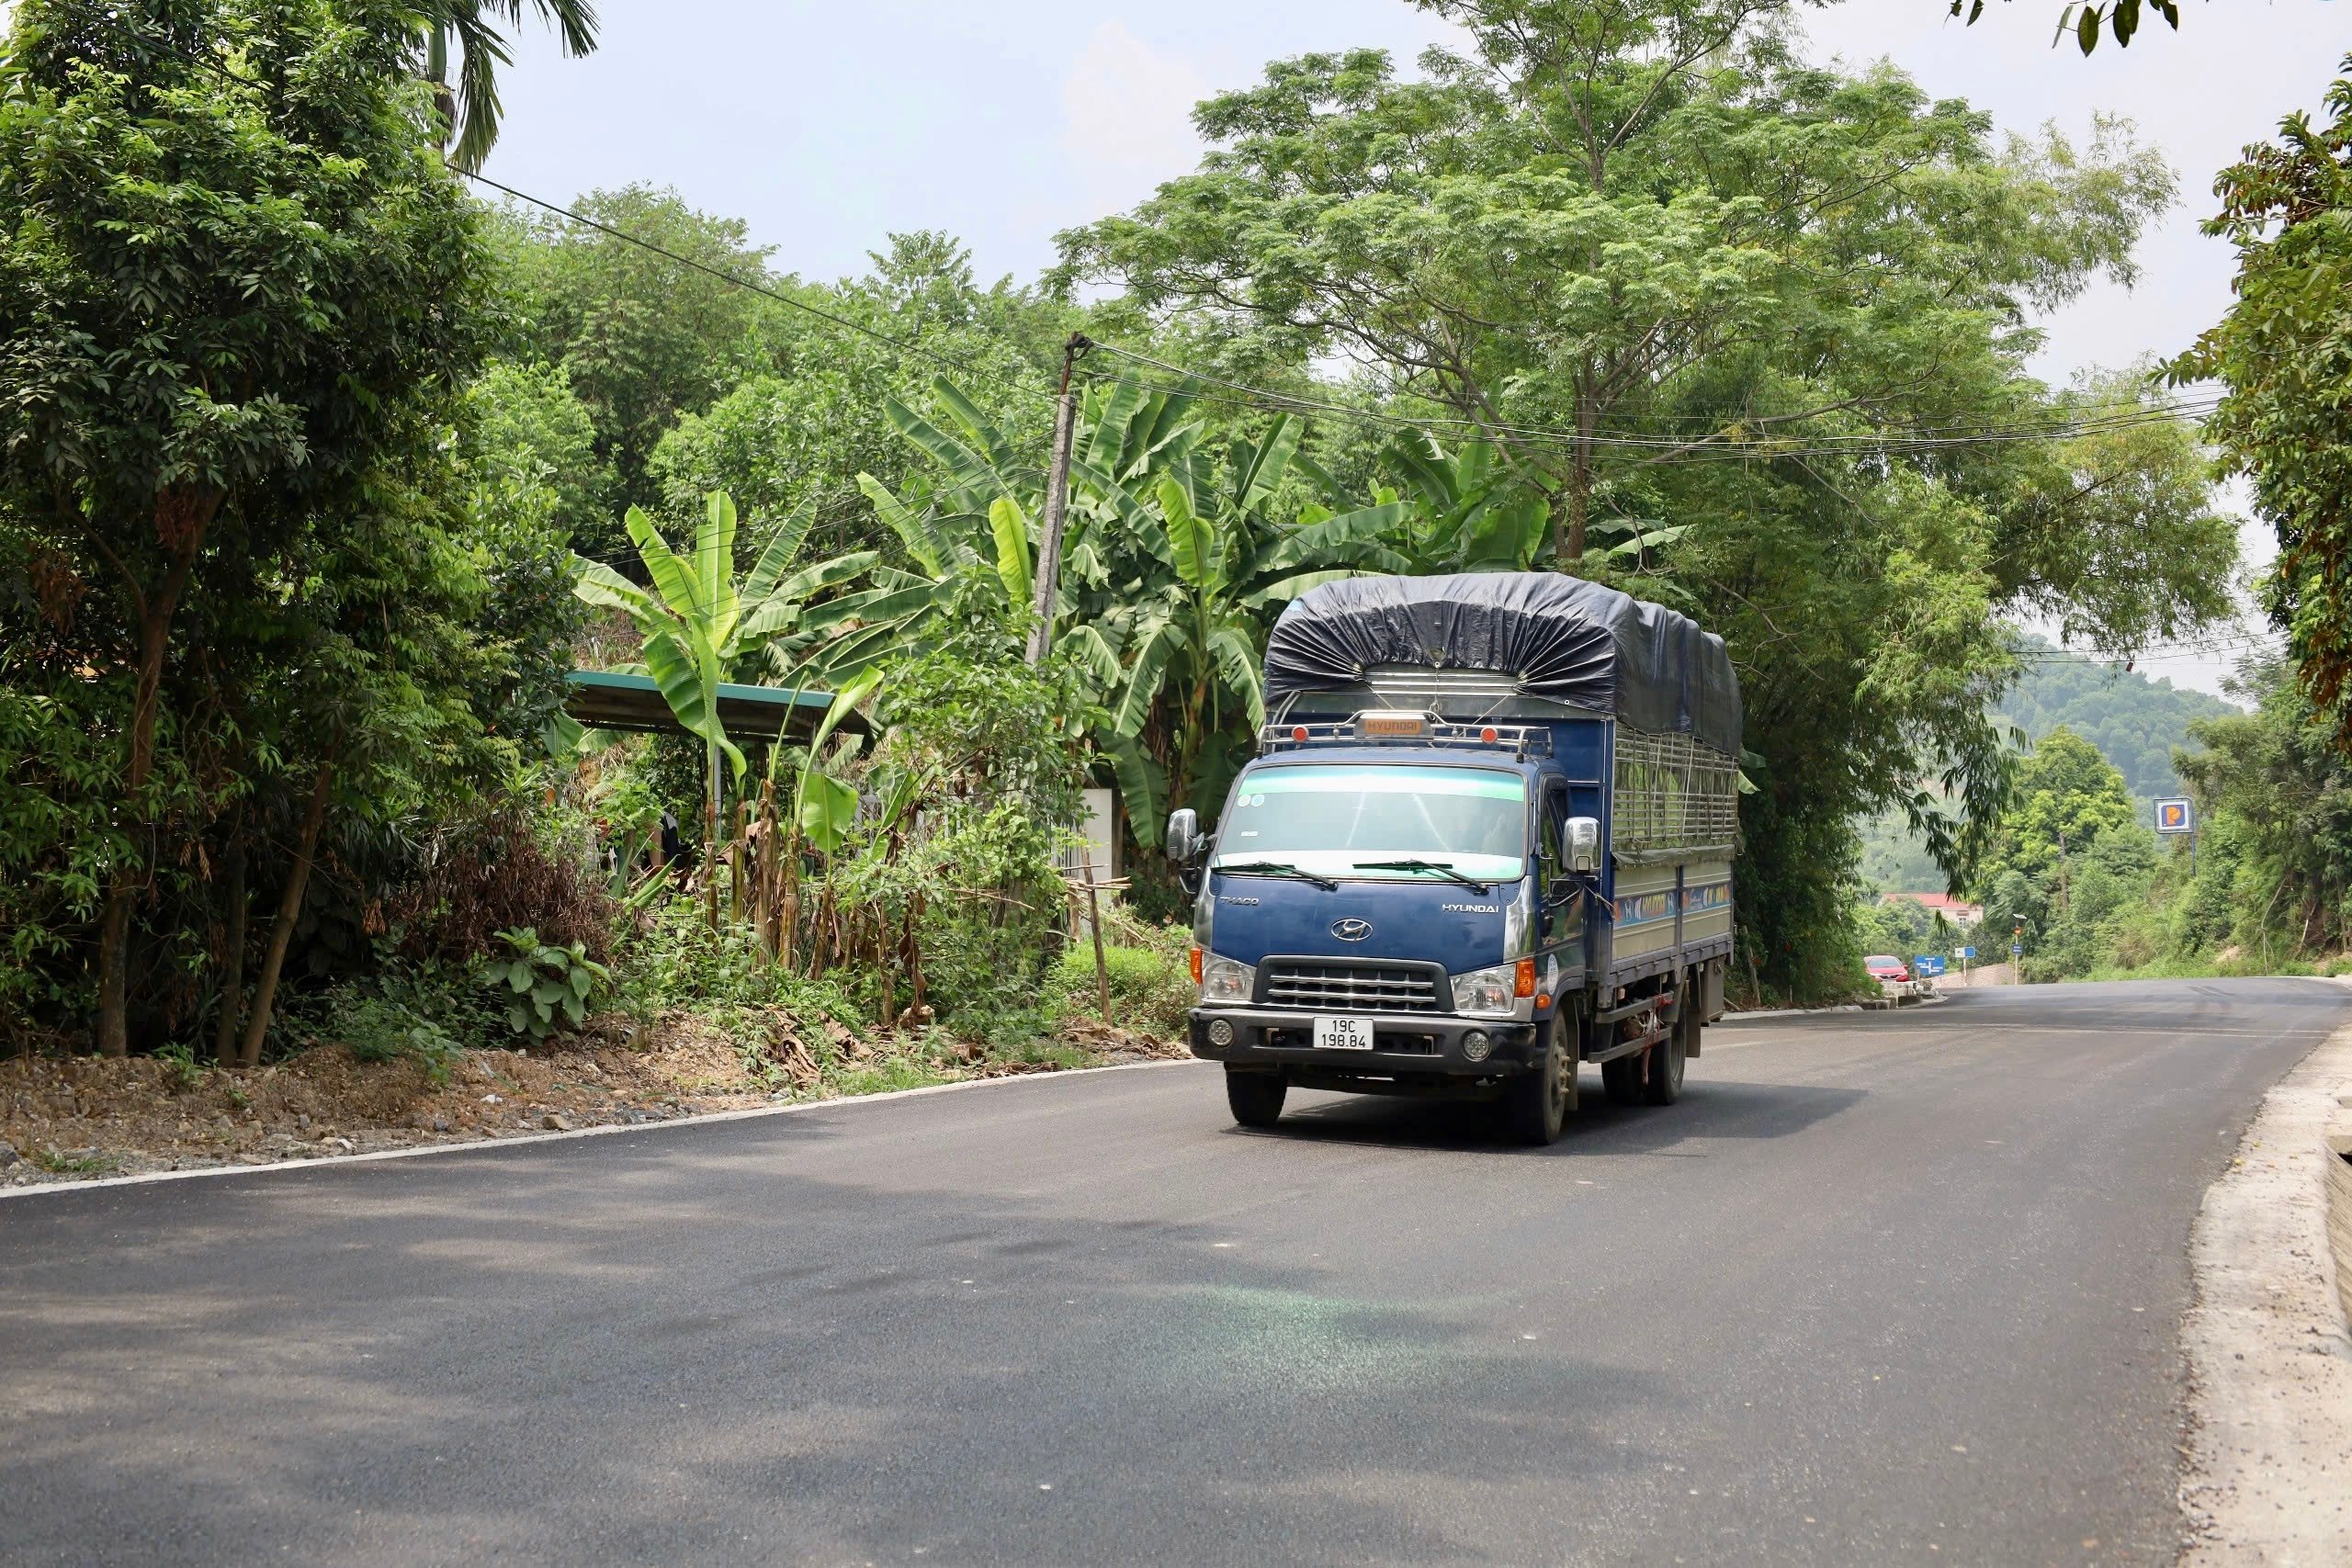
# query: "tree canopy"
[[1772, 316], [2283, 355], [240, 297]]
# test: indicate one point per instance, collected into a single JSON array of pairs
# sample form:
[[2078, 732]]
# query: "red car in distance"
[[1885, 967]]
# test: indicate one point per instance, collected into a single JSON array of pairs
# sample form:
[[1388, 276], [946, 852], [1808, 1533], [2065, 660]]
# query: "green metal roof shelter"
[[601, 700]]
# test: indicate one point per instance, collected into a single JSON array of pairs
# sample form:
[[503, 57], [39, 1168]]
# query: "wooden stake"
[[1094, 917]]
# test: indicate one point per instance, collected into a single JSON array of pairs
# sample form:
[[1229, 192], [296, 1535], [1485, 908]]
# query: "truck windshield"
[[1326, 820]]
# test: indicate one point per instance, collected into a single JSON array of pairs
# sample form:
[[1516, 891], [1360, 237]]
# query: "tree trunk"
[[233, 978], [914, 952], [180, 522], [289, 908], [710, 838]]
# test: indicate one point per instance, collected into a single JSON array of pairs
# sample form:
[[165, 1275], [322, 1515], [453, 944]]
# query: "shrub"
[[545, 988], [1151, 985], [484, 878], [405, 1013], [677, 961]]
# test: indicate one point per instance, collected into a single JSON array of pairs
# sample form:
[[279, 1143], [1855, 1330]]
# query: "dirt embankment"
[[65, 1119]]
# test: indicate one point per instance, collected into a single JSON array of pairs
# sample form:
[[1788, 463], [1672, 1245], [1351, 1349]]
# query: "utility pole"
[[1049, 543]]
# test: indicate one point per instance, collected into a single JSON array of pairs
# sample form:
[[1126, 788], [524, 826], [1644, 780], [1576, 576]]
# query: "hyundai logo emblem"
[[1352, 928]]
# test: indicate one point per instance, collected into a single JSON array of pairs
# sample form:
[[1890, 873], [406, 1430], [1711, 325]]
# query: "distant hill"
[[2135, 721]]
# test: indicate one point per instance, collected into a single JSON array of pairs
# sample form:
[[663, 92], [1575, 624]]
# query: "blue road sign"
[[1964, 953], [2174, 816], [1931, 963], [2017, 949]]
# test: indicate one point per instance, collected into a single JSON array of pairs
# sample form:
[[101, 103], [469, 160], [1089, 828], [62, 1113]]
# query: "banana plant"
[[981, 516], [1470, 513], [1203, 571], [697, 621], [1172, 563]]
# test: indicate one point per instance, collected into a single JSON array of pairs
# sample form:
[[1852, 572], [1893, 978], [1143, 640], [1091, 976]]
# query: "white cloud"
[[1127, 118]]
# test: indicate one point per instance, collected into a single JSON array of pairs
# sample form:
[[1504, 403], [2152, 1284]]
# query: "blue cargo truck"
[[1487, 837]]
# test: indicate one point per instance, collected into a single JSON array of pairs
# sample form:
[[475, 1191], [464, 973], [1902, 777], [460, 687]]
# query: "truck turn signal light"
[[1524, 980], [1196, 966]]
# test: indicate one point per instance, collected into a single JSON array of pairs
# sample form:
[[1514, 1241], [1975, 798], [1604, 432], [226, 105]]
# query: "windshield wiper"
[[1277, 868], [1443, 869]]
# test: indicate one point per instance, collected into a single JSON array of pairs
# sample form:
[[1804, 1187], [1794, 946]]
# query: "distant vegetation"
[[2076, 874], [2135, 721]]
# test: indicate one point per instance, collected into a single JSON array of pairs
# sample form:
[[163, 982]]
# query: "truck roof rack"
[[1403, 727]]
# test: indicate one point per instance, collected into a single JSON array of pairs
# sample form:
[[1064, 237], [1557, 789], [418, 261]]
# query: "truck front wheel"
[[1256, 1096], [1537, 1101]]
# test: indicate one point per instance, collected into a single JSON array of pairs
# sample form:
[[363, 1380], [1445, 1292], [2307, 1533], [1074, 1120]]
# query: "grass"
[[57, 1162], [2246, 966]]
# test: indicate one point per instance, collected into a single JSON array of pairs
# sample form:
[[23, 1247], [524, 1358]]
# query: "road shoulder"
[[2267, 1478]]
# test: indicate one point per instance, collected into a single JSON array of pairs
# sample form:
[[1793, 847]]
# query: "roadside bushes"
[[497, 872], [941, 898], [1151, 983]]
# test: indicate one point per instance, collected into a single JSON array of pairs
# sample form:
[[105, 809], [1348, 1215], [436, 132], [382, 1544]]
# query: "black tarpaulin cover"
[[1565, 640]]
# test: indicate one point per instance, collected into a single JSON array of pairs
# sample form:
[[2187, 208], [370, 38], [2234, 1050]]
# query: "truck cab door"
[[1562, 895]]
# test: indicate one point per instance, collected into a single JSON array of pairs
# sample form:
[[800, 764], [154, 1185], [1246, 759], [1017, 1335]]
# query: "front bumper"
[[1402, 1043]]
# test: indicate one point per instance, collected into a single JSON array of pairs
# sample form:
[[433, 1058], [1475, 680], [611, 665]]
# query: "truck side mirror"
[[1183, 838], [1584, 845]]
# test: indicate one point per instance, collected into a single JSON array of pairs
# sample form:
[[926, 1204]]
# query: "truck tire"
[[1621, 1078], [1662, 1068], [1536, 1101], [1256, 1097]]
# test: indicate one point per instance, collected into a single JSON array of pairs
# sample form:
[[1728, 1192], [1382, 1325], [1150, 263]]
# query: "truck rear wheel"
[[1662, 1068], [1256, 1097], [1536, 1102]]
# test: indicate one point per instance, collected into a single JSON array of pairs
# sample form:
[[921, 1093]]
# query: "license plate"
[[1343, 1034]]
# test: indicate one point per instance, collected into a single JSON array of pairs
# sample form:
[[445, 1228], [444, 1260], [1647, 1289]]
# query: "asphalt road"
[[1881, 1289]]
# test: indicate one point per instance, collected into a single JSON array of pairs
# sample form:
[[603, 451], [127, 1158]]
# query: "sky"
[[827, 126]]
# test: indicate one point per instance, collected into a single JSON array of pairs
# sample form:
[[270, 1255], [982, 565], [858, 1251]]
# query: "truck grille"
[[1349, 986]]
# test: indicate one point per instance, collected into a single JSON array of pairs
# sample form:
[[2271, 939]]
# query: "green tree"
[[1347, 211], [526, 426], [815, 407], [2284, 356], [2271, 786], [642, 339], [213, 338], [2070, 856], [464, 28]]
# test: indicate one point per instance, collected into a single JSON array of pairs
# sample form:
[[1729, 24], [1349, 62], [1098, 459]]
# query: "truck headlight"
[[1487, 993], [1223, 980]]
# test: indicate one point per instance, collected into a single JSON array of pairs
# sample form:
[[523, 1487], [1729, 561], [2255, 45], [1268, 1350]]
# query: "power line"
[[1558, 438], [1701, 448], [1551, 438], [1682, 449], [902, 345]]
